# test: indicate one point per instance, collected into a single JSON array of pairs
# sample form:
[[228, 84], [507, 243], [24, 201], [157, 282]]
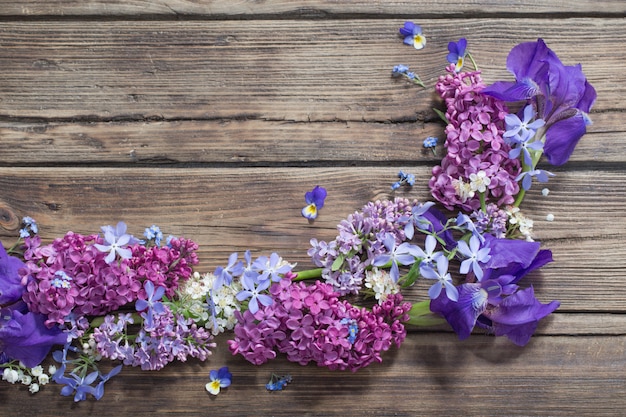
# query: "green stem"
[[473, 62], [309, 274], [420, 315]]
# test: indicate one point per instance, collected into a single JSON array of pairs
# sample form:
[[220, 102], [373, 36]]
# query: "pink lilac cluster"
[[70, 275], [474, 143], [170, 337], [309, 323], [165, 265], [359, 241]]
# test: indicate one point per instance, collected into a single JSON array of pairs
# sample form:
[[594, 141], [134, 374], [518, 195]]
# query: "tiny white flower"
[[26, 379], [479, 181], [43, 379], [10, 375], [52, 369], [550, 217], [545, 192], [33, 388], [37, 370]]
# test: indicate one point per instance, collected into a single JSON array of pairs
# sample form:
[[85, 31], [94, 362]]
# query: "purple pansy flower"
[[458, 51], [413, 35], [315, 201], [562, 95]]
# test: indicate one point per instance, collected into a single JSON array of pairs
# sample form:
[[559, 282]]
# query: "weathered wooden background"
[[212, 118]]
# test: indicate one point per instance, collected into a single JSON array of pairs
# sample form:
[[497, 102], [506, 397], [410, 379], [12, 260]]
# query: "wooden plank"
[[228, 210], [305, 9], [431, 374], [256, 142], [286, 70]]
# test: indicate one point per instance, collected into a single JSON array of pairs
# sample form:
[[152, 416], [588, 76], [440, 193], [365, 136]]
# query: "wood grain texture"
[[285, 70], [232, 142], [431, 374], [311, 9]]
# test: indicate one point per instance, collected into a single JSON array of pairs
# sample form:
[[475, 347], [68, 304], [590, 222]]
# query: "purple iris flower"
[[315, 201], [24, 335], [496, 303], [458, 51], [11, 288], [561, 94]]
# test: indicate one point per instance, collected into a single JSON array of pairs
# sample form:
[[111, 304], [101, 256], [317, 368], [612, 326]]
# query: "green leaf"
[[441, 114], [338, 262], [411, 276]]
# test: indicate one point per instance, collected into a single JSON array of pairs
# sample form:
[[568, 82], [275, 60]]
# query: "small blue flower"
[[430, 142], [475, 255], [61, 280], [277, 383], [151, 305], [219, 379], [405, 178], [353, 329], [30, 226], [117, 239], [224, 275], [458, 52], [399, 70], [412, 34], [527, 177], [443, 277], [404, 254], [315, 201], [252, 289], [525, 129], [154, 233]]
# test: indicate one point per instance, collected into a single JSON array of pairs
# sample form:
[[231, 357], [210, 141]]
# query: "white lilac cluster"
[[35, 377], [381, 283], [215, 306]]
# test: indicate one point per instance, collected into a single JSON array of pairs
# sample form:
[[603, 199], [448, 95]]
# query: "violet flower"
[[562, 95]]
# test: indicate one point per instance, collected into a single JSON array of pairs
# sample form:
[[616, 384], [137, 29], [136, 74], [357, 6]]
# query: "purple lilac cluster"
[[360, 239], [169, 337], [309, 323], [474, 143]]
